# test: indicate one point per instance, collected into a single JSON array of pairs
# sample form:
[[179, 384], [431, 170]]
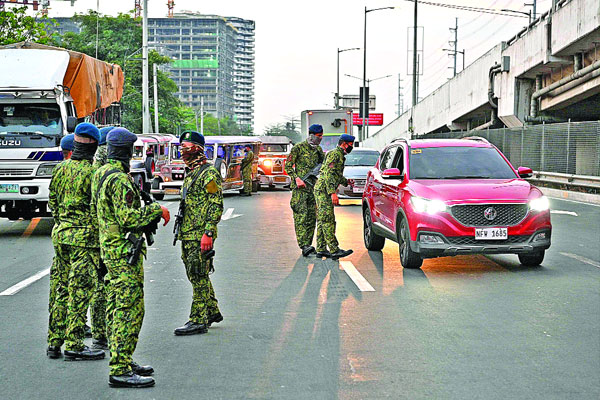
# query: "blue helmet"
[[88, 130], [66, 143], [315, 128]]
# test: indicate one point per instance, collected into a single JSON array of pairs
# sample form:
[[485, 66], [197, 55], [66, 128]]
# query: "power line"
[[468, 8]]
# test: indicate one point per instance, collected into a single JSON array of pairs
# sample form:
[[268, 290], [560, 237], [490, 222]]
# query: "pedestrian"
[[303, 159], [121, 220], [325, 194], [247, 169], [98, 302], [66, 145], [76, 245], [203, 206]]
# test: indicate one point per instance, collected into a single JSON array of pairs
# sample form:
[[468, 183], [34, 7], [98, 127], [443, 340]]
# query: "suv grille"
[[468, 240], [16, 172], [475, 214]]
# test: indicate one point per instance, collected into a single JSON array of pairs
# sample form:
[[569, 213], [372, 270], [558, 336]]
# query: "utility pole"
[[155, 82], [415, 70], [201, 116], [400, 96], [455, 44], [534, 10], [145, 95]]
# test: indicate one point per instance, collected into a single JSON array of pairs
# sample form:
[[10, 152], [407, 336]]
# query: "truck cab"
[[274, 151]]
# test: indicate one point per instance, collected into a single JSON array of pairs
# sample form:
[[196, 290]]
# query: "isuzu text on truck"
[[44, 92]]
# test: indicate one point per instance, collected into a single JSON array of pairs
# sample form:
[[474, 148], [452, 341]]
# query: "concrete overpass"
[[548, 72]]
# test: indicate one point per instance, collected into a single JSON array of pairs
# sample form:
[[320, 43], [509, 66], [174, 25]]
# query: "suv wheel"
[[532, 259], [373, 241], [408, 258]]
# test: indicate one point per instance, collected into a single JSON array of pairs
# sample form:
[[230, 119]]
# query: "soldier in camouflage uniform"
[[247, 170], [66, 145], [203, 205], [303, 158], [325, 194], [120, 212], [98, 302], [76, 246]]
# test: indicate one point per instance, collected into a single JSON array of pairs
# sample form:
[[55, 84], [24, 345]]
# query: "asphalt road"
[[468, 327]]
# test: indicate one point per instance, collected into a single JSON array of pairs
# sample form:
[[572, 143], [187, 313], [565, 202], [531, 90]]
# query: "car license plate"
[[358, 189], [171, 191], [491, 233], [280, 179], [9, 188]]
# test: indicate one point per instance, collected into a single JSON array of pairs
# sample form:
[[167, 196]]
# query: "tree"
[[16, 26], [284, 130]]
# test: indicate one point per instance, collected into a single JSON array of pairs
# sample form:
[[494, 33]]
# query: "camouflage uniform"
[[302, 158], [247, 171], [120, 211], [331, 176], [76, 244], [203, 209], [100, 156]]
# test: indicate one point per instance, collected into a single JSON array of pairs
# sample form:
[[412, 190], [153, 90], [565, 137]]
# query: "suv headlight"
[[539, 204], [45, 169], [429, 206]]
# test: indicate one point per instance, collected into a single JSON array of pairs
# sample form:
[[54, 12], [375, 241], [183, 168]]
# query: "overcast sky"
[[297, 42]]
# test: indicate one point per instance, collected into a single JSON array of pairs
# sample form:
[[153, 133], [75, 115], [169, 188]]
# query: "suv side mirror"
[[525, 172], [391, 173], [71, 124]]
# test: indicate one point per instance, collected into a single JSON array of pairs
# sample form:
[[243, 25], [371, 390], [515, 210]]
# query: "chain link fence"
[[567, 148]]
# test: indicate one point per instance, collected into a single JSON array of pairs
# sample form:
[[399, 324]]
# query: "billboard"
[[375, 119]]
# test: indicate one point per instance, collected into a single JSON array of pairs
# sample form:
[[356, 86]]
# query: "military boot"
[[341, 253], [87, 331], [130, 380], [214, 319], [85, 354], [100, 344], [307, 250], [141, 370], [53, 352], [191, 328], [324, 253]]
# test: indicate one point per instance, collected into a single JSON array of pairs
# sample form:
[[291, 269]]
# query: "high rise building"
[[213, 59]]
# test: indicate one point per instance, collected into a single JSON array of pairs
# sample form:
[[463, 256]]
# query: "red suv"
[[446, 197]]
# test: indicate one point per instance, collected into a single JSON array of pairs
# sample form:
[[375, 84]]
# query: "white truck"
[[44, 92], [334, 122]]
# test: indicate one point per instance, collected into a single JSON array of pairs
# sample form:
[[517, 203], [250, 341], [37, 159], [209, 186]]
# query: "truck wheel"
[[373, 241], [408, 258], [158, 196], [255, 186], [221, 167], [532, 259], [149, 165]]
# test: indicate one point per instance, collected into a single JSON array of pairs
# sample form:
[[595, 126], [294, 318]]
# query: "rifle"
[[181, 210], [311, 177], [148, 232]]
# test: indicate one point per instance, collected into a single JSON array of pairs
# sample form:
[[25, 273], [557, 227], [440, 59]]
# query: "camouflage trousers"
[[125, 312], [98, 304], [72, 282], [204, 302], [305, 217], [247, 175], [326, 220]]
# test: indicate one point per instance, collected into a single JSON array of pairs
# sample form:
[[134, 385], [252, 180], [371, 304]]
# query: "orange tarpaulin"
[[93, 84]]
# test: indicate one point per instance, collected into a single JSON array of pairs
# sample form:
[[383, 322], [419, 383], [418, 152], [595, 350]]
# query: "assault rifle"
[[311, 177], [148, 232]]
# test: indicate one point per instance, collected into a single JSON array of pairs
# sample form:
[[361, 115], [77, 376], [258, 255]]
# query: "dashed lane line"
[[23, 284], [573, 213], [359, 280], [582, 259]]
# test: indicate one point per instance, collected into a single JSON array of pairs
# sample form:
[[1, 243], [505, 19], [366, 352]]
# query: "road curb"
[[569, 195]]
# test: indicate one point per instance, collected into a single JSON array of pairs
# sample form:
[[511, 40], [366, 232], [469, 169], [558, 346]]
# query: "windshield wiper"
[[37, 133], [465, 177]]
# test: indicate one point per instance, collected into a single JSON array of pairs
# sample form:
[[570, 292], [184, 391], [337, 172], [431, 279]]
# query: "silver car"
[[357, 165]]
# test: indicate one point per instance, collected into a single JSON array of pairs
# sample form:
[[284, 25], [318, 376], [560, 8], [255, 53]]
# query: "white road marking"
[[229, 214], [573, 213], [582, 259], [23, 284], [356, 277]]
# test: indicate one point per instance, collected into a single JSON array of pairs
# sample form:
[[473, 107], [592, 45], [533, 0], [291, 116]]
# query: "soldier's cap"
[[88, 130], [248, 146], [66, 143], [103, 133], [347, 138], [120, 137], [192, 137], [315, 128]]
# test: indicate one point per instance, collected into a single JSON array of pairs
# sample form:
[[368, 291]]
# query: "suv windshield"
[[42, 118], [361, 158], [273, 148], [459, 163]]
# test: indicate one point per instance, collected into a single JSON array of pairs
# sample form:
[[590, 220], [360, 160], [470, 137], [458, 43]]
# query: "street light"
[[368, 80], [528, 14], [365, 103], [337, 92]]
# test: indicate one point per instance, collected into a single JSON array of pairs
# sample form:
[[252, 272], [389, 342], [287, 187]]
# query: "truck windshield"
[[459, 163], [329, 142], [273, 148], [42, 118]]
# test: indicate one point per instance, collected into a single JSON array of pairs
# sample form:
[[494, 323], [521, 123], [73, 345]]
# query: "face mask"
[[193, 156], [314, 140], [349, 149], [121, 153], [84, 151]]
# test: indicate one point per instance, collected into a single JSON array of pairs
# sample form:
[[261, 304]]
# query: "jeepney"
[[225, 153], [274, 151], [150, 153]]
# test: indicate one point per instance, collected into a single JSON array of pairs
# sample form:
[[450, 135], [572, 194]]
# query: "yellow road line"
[[31, 227]]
